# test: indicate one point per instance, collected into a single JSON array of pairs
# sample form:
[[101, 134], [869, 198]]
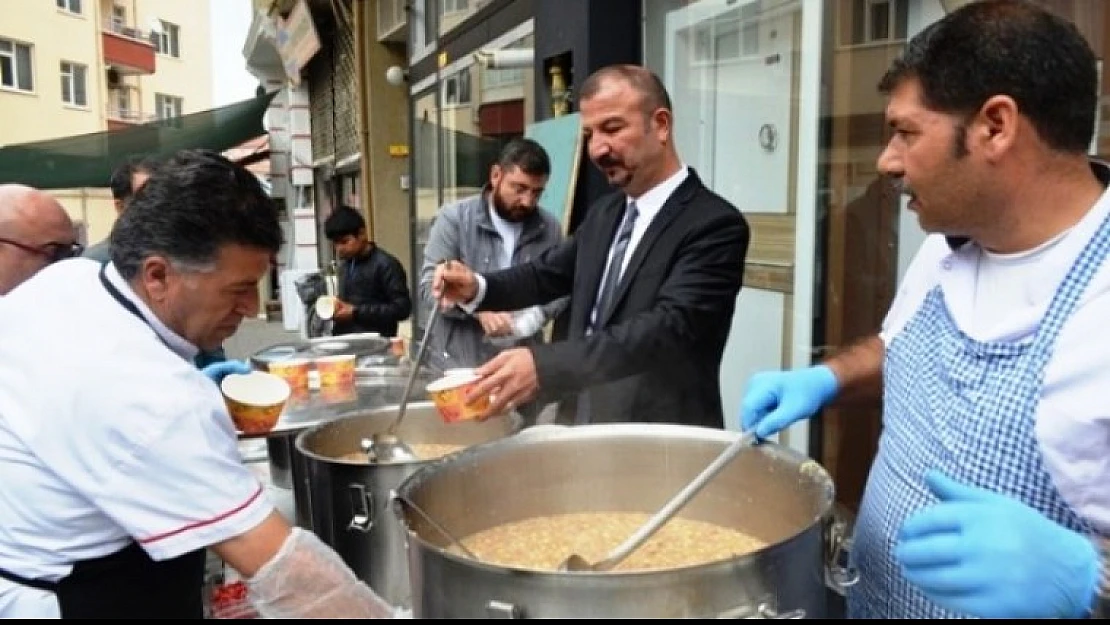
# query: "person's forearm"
[[859, 373]]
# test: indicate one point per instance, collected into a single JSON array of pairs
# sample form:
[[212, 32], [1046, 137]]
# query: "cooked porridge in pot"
[[542, 543], [423, 451]]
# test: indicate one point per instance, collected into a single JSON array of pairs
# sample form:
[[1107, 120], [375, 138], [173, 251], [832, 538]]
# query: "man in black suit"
[[653, 273]]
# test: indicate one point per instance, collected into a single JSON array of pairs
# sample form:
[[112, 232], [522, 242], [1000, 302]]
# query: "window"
[[876, 21], [15, 66], [165, 39], [456, 88], [452, 6], [168, 106], [120, 100], [73, 84], [73, 6], [119, 18]]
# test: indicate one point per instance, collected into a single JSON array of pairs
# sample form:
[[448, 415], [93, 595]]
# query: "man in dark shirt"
[[373, 291]]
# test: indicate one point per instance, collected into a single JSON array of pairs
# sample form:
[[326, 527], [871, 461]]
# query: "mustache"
[[608, 161], [901, 187]]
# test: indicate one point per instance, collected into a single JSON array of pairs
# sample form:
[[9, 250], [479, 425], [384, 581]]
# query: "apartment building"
[[71, 67]]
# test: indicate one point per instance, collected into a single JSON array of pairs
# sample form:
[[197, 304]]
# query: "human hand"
[[987, 555], [777, 399], [496, 323], [217, 371], [454, 283], [509, 379], [343, 311]]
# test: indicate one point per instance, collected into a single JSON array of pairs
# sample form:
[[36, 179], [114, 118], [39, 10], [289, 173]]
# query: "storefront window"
[[482, 110], [734, 74], [425, 183]]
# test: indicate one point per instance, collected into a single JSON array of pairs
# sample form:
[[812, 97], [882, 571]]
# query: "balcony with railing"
[[118, 118], [127, 50]]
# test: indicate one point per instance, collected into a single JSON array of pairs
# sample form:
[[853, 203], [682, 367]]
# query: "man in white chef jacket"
[[120, 463], [991, 486]]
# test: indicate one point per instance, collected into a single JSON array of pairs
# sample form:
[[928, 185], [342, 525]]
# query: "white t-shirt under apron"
[[1002, 298], [107, 435]]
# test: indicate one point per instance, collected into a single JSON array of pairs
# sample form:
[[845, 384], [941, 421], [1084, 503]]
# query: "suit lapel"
[[671, 209], [594, 250]]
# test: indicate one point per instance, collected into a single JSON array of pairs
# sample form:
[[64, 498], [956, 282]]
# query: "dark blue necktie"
[[605, 295], [613, 273]]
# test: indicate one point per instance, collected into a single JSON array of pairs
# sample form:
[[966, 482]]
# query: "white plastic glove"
[[308, 579], [527, 322]]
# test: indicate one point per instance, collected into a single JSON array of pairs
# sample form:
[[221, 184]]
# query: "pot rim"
[[564, 432]]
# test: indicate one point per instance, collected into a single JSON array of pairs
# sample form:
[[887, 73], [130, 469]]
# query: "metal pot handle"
[[839, 573], [765, 609], [362, 508]]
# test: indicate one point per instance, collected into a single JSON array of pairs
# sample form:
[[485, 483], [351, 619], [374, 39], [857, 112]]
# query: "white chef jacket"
[[107, 435], [1003, 298]]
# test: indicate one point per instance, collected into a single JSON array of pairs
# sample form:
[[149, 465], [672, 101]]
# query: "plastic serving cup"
[[325, 307], [255, 400], [336, 370], [294, 371], [449, 394]]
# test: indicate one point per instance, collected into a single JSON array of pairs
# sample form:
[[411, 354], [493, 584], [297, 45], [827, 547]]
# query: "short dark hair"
[[120, 182], [526, 155], [642, 80], [343, 221], [189, 209], [1006, 47]]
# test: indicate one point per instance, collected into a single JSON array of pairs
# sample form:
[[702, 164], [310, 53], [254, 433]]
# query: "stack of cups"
[[295, 372]]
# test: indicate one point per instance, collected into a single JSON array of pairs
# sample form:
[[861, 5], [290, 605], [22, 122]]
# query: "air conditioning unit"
[[114, 78]]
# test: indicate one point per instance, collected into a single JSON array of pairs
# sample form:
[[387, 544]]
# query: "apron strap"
[[40, 584]]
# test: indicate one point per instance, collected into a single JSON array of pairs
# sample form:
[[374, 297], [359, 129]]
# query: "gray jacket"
[[101, 252], [464, 231]]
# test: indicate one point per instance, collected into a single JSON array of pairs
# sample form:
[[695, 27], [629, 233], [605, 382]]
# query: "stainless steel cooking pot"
[[769, 492], [348, 501]]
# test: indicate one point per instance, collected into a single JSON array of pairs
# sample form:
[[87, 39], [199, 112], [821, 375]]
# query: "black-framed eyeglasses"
[[52, 252]]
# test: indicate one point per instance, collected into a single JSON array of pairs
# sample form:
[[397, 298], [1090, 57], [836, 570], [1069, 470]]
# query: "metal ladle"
[[386, 447], [576, 562], [405, 502]]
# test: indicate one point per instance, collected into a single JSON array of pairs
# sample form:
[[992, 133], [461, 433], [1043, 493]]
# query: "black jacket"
[[376, 286], [656, 356]]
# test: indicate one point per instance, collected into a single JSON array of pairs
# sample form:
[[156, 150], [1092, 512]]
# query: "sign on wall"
[[297, 40]]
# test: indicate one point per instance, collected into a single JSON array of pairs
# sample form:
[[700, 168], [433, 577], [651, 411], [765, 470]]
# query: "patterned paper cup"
[[449, 394], [255, 400], [294, 371], [336, 370]]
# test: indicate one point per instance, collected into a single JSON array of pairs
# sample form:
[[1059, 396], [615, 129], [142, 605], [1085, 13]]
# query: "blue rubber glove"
[[217, 371], [777, 399], [987, 555]]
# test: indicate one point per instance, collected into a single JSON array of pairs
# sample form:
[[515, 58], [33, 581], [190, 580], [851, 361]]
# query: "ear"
[[996, 126], [495, 174], [155, 274], [662, 122]]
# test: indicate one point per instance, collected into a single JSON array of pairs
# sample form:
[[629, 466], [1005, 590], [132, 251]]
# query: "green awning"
[[88, 160]]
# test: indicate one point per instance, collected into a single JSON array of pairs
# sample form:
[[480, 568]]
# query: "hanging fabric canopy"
[[88, 160]]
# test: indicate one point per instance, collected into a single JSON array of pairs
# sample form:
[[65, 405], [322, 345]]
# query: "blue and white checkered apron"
[[967, 408]]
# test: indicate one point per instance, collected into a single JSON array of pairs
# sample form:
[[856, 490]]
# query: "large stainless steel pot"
[[769, 492], [349, 501]]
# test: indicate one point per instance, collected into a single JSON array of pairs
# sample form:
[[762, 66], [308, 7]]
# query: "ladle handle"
[[676, 503], [435, 525], [415, 369]]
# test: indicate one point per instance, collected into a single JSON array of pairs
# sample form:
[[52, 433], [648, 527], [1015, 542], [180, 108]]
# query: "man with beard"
[[653, 273], [500, 227], [373, 292]]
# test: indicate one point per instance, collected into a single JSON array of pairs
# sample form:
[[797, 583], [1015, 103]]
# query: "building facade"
[[70, 67]]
